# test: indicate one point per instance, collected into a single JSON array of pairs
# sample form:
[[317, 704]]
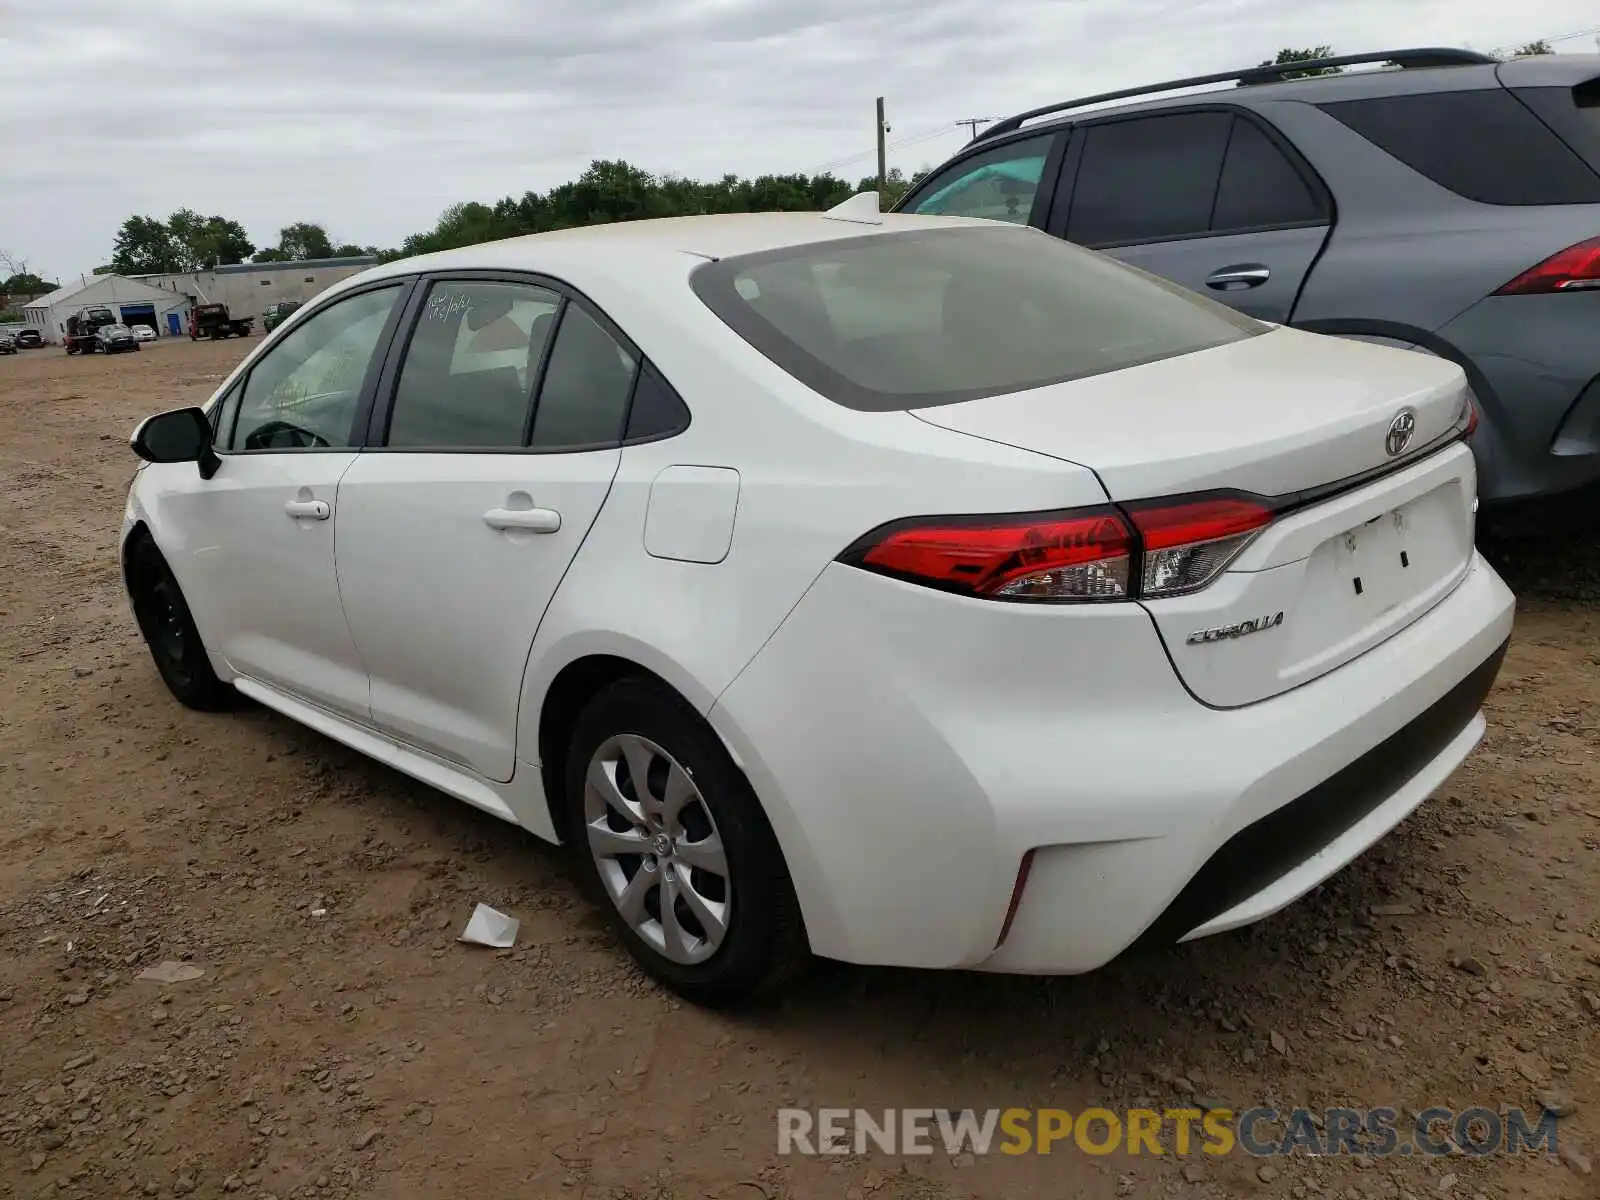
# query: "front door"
[[255, 541], [1210, 200], [454, 533]]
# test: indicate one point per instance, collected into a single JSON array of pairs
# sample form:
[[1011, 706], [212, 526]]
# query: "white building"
[[135, 303], [247, 288]]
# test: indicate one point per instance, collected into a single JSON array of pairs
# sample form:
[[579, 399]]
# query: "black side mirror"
[[182, 435]]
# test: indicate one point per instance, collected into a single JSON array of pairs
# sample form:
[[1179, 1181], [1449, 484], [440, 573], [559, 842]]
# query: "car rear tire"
[[688, 872], [169, 631]]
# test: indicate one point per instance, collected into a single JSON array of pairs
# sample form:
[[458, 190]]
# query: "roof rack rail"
[[1275, 73]]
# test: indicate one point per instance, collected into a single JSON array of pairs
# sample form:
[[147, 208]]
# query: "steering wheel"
[[266, 437]]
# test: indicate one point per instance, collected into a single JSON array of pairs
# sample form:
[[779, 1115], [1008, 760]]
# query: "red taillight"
[[1074, 556], [1080, 555], [1575, 269], [1472, 419]]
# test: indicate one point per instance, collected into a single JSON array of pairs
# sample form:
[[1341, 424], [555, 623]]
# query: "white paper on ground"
[[490, 928]]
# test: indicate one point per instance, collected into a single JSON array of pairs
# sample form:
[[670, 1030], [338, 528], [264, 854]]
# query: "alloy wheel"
[[657, 848]]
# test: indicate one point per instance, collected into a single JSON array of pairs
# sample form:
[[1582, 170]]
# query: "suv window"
[[303, 393], [1260, 188], [469, 370], [998, 184], [1484, 145], [1146, 179], [895, 321], [583, 399]]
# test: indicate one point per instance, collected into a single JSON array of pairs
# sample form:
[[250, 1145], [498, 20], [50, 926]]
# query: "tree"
[[1533, 49], [145, 246], [350, 250], [207, 242], [270, 254], [1296, 56], [25, 283], [304, 240]]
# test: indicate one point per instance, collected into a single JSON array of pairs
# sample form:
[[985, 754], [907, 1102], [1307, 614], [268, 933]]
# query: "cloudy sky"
[[372, 116]]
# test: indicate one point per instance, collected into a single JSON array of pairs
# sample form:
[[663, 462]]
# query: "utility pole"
[[883, 153], [972, 123]]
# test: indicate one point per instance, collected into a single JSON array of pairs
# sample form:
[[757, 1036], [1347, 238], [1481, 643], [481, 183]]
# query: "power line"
[[1560, 37], [899, 143], [972, 123]]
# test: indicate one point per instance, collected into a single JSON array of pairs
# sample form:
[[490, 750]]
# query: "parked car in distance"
[[1451, 205], [29, 339], [143, 333], [8, 344], [115, 339], [905, 590], [274, 314]]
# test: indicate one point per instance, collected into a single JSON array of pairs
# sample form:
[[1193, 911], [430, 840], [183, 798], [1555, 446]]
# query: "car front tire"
[[169, 631], [685, 866]]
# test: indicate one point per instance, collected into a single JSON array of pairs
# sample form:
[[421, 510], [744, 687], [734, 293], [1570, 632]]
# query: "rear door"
[[1211, 199], [457, 525]]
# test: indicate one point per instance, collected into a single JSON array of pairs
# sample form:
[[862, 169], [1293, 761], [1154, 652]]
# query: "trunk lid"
[[1273, 414], [1278, 415]]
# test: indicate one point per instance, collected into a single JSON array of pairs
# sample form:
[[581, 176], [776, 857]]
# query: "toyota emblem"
[[1401, 430]]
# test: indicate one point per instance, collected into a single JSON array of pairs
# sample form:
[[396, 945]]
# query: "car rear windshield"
[[894, 321]]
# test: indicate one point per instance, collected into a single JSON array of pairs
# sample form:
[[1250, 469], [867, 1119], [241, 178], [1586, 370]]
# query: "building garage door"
[[139, 314]]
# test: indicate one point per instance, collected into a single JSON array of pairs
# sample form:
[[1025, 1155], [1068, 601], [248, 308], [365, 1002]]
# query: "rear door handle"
[[1236, 279], [533, 520], [314, 510]]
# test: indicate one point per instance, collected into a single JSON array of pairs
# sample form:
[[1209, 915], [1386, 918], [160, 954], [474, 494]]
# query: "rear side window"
[[583, 399], [895, 321], [468, 375], [1148, 179], [1260, 188], [1484, 145]]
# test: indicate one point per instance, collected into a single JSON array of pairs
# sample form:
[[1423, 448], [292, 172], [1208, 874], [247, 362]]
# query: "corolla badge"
[[1225, 633], [1401, 430]]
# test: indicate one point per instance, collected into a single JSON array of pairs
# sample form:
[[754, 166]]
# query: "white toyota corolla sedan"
[[902, 590]]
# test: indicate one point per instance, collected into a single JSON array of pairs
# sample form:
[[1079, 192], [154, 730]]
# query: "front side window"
[[905, 320], [304, 392], [470, 368], [998, 184]]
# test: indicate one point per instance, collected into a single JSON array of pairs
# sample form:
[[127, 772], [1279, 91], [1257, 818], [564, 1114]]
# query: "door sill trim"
[[444, 777]]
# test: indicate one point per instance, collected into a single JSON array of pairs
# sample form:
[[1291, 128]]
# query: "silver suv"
[[1450, 204]]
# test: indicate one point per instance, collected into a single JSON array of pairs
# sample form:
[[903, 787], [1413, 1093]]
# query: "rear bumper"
[[911, 751]]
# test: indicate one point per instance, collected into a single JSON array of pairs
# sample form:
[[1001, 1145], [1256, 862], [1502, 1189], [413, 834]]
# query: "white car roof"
[[670, 244]]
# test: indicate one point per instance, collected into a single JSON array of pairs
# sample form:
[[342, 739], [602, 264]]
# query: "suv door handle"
[[1236, 279], [533, 520], [315, 510]]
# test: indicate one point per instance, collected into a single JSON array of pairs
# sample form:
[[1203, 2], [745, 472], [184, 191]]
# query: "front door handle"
[[533, 520], [312, 510], [1236, 279]]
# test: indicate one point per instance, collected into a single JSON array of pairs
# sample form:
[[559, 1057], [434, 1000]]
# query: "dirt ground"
[[342, 1043]]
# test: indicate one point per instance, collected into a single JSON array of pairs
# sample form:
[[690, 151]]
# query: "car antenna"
[[862, 208]]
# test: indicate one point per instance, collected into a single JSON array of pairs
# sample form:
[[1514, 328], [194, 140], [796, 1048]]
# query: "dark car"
[[8, 344], [275, 314], [29, 339], [1446, 202], [116, 339]]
